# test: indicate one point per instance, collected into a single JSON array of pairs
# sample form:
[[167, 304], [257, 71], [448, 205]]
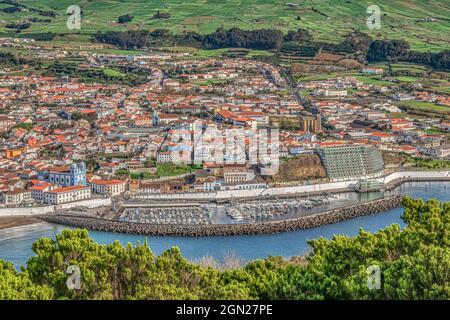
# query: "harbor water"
[[15, 243]]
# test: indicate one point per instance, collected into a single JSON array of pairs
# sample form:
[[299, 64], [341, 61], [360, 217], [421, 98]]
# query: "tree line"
[[221, 38], [356, 44], [414, 263], [9, 59]]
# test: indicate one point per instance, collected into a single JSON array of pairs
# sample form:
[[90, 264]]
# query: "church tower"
[[78, 174]]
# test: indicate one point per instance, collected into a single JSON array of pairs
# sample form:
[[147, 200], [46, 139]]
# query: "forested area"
[[414, 261], [235, 37], [94, 75], [9, 59], [357, 44]]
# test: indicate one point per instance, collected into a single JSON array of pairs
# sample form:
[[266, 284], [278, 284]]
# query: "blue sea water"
[[15, 244]]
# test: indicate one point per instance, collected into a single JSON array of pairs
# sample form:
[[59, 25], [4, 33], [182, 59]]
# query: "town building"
[[6, 123], [257, 183], [108, 187], [371, 70], [310, 123], [17, 197], [234, 175], [38, 191], [164, 157], [330, 93], [351, 162], [67, 194], [75, 175], [442, 151]]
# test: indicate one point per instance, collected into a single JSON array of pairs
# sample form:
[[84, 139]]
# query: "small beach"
[[17, 221]]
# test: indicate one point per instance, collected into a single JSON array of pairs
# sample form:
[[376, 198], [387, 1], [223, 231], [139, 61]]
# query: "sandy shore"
[[11, 222]]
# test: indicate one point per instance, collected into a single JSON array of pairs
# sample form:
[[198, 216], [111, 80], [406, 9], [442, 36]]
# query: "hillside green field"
[[425, 106], [325, 18]]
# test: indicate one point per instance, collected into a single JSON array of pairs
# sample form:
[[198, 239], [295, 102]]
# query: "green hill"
[[325, 18]]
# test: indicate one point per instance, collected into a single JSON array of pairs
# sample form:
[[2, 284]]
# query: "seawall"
[[270, 227], [34, 211], [330, 187]]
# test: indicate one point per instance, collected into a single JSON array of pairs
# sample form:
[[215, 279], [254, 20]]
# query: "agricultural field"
[[407, 79], [429, 163], [413, 68], [443, 89], [425, 106], [169, 169], [374, 80], [113, 73], [405, 73], [327, 19], [319, 76]]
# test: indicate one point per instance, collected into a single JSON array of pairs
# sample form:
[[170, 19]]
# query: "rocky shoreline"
[[269, 227]]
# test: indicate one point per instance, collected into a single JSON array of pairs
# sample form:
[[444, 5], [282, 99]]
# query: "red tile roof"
[[68, 189]]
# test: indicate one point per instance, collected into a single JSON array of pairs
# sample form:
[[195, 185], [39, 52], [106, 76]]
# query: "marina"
[[15, 246], [260, 210], [229, 212], [235, 211], [200, 214]]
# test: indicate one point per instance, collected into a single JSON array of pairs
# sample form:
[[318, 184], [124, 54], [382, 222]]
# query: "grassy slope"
[[205, 16], [425, 106]]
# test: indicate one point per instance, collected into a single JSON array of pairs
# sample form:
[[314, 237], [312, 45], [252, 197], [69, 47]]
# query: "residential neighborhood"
[[65, 140]]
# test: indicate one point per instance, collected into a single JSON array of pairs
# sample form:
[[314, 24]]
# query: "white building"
[[17, 197], [245, 185], [74, 175], [331, 93], [38, 191], [438, 152], [108, 187], [402, 96], [67, 194], [164, 157], [211, 185], [234, 175], [445, 126], [369, 70]]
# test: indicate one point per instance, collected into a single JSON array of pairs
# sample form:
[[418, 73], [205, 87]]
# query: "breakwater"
[[398, 182], [270, 227]]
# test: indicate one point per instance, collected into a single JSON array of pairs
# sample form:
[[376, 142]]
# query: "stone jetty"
[[269, 227]]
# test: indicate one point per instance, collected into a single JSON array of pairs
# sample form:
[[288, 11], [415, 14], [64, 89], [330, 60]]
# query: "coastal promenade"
[[32, 211], [332, 187]]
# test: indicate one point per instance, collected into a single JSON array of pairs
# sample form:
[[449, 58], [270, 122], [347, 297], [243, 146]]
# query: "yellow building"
[[311, 123]]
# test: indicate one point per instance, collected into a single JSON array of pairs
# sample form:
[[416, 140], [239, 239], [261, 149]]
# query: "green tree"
[[18, 286], [414, 261]]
